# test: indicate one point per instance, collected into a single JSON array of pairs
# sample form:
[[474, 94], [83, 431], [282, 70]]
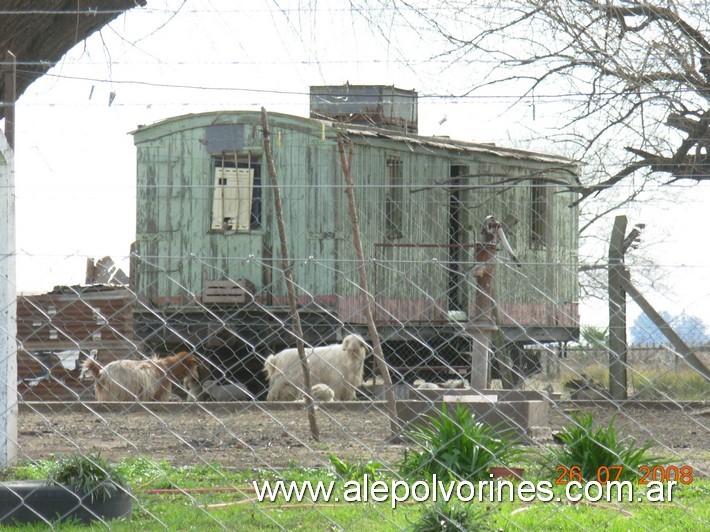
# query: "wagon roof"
[[443, 143], [447, 143]]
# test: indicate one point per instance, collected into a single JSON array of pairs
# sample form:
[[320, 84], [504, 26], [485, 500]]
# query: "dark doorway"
[[457, 291]]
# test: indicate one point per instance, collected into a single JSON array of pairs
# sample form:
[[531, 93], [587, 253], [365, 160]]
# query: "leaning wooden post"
[[481, 327], [617, 312], [678, 343], [290, 285], [377, 347]]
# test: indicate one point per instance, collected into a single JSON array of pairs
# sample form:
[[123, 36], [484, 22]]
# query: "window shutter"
[[232, 198]]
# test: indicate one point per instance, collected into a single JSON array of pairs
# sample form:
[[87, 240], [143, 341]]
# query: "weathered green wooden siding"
[[410, 268], [409, 275], [175, 182], [544, 290]]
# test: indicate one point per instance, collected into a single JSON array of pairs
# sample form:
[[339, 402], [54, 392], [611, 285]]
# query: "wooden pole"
[[290, 285], [9, 97], [617, 312], [362, 274]]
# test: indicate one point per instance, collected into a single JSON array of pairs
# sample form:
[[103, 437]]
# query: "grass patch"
[[355, 470], [205, 508], [678, 384], [450, 517], [652, 384]]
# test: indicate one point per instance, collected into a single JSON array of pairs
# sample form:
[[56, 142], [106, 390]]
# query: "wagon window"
[[538, 211], [394, 203], [236, 197]]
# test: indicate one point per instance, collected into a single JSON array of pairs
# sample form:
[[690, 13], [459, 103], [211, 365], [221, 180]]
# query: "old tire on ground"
[[34, 501]]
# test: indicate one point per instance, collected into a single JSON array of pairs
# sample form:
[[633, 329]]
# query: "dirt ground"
[[246, 436]]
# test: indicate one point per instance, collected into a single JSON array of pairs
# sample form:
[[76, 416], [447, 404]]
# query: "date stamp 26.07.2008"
[[659, 473]]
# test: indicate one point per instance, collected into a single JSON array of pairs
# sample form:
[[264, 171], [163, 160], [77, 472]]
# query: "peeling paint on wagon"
[[411, 272]]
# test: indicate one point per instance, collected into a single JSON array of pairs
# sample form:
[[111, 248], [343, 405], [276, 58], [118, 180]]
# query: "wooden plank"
[[688, 355], [64, 345]]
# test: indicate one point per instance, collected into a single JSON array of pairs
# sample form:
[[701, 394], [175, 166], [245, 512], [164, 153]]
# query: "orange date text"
[[659, 473]]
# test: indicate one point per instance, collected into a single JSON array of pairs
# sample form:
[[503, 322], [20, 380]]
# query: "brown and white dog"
[[143, 380]]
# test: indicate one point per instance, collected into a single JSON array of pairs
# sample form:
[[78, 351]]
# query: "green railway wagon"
[[207, 261]]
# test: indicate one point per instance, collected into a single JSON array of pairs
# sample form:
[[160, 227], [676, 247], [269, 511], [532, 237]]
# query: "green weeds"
[[588, 449], [457, 446]]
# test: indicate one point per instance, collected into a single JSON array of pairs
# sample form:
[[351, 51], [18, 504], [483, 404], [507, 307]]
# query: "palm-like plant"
[[458, 446], [591, 449]]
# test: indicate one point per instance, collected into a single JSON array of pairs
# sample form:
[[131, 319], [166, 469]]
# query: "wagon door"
[[457, 291]]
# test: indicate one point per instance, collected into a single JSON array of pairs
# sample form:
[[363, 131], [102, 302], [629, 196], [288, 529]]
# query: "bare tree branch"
[[635, 63]]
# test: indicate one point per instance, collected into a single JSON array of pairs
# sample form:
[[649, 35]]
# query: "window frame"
[[394, 197], [239, 162], [538, 214]]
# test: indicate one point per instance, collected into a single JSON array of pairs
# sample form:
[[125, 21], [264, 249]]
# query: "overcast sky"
[[75, 161]]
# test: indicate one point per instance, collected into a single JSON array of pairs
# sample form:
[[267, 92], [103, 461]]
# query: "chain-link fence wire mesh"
[[225, 304]]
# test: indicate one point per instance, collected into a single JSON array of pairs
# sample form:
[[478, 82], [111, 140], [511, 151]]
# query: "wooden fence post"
[[617, 312], [290, 285], [362, 275]]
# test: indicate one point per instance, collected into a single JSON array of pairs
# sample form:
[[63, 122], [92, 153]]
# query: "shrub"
[[89, 474], [590, 449], [457, 446]]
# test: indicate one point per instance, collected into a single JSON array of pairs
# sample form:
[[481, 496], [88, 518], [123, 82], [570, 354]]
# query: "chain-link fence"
[[448, 302]]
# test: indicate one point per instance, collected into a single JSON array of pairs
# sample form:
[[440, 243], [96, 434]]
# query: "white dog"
[[339, 366]]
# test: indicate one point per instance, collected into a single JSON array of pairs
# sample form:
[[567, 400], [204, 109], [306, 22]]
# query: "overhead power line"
[[536, 96]]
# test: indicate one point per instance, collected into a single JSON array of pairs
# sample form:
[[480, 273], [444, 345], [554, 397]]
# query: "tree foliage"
[[691, 329], [594, 336]]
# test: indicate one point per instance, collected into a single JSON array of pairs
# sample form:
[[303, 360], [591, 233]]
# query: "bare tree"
[[632, 78], [635, 70]]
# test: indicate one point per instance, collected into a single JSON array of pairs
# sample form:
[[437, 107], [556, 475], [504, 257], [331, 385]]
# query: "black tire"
[[33, 501]]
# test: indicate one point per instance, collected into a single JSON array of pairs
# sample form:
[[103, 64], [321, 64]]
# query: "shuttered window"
[[236, 197], [231, 209]]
